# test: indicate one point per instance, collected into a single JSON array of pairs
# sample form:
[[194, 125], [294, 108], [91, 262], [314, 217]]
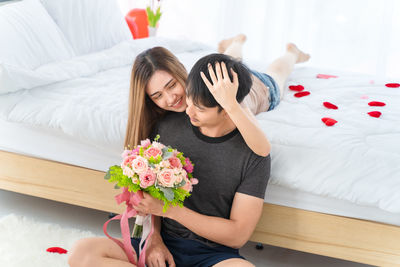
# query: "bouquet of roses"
[[159, 170]]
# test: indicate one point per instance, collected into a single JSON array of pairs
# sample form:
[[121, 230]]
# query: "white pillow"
[[89, 25], [29, 37]]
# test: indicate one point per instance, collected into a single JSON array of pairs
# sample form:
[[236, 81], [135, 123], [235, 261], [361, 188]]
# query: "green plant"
[[153, 13]]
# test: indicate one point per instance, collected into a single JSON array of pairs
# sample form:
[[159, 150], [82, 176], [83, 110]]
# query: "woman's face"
[[166, 92]]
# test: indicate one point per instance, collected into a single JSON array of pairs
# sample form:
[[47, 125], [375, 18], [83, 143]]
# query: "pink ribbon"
[[130, 199]]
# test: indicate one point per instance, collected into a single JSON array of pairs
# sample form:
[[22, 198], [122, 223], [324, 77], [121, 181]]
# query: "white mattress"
[[83, 101], [66, 149]]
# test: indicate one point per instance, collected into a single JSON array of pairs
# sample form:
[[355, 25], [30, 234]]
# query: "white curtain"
[[354, 35]]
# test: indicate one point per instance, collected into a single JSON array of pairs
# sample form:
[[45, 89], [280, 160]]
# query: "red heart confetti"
[[375, 114], [376, 104], [296, 87], [325, 76], [329, 121], [393, 85], [57, 250], [330, 105], [301, 94]]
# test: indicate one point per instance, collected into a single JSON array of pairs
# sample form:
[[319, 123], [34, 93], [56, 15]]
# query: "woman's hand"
[[150, 205], [221, 86]]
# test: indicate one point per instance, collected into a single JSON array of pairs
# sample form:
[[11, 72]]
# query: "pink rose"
[[147, 178], [139, 165], [128, 153], [128, 161], [189, 184], [188, 165], [166, 177], [175, 162], [179, 176], [157, 145], [128, 171], [153, 152], [145, 143]]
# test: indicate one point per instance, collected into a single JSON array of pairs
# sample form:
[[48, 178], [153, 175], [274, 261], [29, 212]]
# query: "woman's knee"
[[84, 251], [235, 262]]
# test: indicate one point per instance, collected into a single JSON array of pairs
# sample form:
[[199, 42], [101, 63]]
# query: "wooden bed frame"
[[329, 235]]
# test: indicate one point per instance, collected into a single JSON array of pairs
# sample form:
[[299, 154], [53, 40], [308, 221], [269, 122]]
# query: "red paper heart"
[[376, 104], [393, 85], [296, 87], [375, 114], [301, 94], [57, 250], [330, 105], [325, 76], [329, 121]]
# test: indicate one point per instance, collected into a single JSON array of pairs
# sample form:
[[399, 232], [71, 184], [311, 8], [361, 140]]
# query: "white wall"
[[355, 35]]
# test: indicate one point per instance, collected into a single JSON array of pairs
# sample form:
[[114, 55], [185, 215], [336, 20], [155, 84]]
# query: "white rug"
[[23, 242]]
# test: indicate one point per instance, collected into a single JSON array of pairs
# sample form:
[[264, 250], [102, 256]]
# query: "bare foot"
[[224, 44], [301, 56]]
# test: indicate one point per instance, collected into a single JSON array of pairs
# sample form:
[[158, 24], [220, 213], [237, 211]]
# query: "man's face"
[[201, 116]]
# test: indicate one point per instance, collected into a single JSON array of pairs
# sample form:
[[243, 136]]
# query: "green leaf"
[[182, 183], [168, 193], [108, 175], [116, 187], [167, 155]]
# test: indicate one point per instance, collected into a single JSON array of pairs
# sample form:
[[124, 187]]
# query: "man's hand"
[[150, 205], [157, 253]]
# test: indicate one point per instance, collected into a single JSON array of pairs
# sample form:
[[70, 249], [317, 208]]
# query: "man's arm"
[[157, 253], [233, 232]]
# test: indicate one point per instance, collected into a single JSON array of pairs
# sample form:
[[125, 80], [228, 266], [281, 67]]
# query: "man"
[[226, 205]]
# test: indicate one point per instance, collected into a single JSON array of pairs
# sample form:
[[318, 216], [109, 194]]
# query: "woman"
[[158, 86]]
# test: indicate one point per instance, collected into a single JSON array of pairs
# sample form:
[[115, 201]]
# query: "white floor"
[[92, 220]]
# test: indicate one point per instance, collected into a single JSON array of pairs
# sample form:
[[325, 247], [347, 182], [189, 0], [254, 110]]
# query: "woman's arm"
[[248, 126], [233, 232], [224, 92]]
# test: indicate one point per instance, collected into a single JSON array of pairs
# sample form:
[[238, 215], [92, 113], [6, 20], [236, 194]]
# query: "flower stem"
[[138, 228]]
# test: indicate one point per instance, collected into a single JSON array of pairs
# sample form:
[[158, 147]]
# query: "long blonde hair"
[[143, 112]]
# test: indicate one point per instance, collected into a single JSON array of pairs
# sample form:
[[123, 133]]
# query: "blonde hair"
[[143, 112]]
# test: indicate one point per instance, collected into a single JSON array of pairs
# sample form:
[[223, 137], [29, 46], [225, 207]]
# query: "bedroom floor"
[[87, 219]]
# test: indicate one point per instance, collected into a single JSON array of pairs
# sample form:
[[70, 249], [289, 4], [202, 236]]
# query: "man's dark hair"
[[197, 90]]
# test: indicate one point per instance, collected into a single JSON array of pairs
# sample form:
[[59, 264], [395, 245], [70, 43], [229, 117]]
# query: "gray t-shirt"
[[223, 165]]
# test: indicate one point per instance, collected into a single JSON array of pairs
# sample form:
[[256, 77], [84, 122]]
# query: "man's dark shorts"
[[194, 253]]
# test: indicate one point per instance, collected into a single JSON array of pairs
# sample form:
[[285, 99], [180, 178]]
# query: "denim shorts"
[[192, 253], [274, 93]]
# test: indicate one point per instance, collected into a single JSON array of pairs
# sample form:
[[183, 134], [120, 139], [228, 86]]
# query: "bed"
[[334, 191]]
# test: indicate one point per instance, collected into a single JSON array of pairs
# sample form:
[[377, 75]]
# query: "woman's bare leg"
[[281, 68], [99, 252], [233, 46], [234, 263]]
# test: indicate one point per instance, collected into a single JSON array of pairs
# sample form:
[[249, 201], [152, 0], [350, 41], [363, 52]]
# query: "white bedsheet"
[[357, 160]]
